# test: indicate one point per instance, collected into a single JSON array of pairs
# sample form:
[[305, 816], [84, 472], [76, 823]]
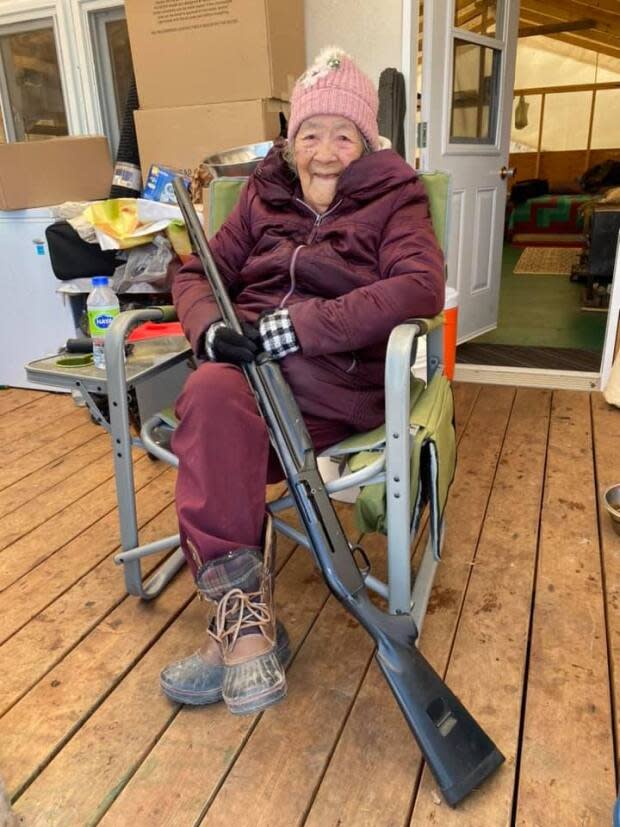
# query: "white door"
[[469, 52]]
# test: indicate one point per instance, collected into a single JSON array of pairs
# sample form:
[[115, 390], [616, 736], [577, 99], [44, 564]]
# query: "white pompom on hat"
[[334, 85]]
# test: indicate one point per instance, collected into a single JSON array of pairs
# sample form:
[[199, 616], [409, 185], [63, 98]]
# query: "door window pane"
[[480, 16], [33, 99], [474, 93], [120, 61], [114, 68]]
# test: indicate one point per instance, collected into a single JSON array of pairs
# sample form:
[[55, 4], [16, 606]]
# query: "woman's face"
[[324, 147]]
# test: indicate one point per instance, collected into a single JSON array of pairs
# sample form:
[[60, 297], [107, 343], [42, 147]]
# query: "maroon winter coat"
[[347, 276]]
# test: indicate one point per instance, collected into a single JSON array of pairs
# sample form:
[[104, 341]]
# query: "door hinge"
[[422, 134]]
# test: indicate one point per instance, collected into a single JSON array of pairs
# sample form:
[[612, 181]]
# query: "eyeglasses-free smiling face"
[[324, 147]]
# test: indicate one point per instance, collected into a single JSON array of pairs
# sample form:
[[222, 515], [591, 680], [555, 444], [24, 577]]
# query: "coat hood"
[[367, 178]]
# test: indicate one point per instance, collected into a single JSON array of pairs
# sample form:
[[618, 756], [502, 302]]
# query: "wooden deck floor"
[[524, 622]]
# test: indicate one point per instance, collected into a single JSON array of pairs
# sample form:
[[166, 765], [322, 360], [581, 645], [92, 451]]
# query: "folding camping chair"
[[398, 467]]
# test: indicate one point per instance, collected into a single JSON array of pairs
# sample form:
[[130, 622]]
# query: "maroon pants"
[[225, 462]]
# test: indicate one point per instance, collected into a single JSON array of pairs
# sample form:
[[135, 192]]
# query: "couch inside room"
[[556, 218]]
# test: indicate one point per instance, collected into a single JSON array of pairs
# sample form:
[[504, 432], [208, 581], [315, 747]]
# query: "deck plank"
[[372, 775], [145, 797], [79, 683], [71, 591], [87, 737], [31, 502], [52, 632], [13, 398], [113, 742], [54, 576], [606, 432], [493, 630], [37, 460], [196, 751], [273, 779], [466, 509], [40, 409], [567, 762], [25, 426], [23, 491], [33, 548]]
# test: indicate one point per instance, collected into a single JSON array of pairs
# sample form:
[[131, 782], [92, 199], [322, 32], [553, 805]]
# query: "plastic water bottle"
[[102, 307]]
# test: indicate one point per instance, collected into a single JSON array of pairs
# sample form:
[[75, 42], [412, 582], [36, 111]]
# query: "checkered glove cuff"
[[210, 338], [278, 334]]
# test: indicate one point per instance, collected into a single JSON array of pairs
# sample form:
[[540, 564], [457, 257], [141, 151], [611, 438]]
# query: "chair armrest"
[[432, 328], [114, 343], [427, 325], [123, 324], [168, 311], [401, 354]]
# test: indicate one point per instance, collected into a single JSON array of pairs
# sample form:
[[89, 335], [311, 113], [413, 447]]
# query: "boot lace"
[[236, 612]]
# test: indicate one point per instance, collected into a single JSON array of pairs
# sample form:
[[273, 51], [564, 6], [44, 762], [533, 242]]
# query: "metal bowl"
[[239, 161], [611, 498]]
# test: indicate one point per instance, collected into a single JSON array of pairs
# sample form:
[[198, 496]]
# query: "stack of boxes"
[[211, 74]]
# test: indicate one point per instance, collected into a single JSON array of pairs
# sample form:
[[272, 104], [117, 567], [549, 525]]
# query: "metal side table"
[[156, 368]]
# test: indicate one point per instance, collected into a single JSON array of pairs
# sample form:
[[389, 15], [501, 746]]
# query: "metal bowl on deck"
[[239, 161], [611, 498]]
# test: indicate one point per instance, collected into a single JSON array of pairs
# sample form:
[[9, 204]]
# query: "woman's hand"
[[277, 333], [274, 334], [226, 345]]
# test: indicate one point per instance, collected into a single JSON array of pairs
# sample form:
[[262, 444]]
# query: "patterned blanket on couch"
[[548, 218]]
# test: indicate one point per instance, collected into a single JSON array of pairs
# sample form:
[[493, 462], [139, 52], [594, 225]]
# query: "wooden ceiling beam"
[[556, 28], [590, 6], [594, 39], [570, 9]]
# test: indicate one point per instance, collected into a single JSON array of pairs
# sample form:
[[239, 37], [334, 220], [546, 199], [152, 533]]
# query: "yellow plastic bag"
[[123, 223]]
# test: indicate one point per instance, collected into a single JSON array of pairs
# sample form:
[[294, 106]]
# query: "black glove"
[[226, 345]]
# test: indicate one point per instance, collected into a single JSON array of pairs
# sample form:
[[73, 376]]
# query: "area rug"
[[548, 261]]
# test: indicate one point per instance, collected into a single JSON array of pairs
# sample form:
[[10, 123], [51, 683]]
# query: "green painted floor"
[[543, 311]]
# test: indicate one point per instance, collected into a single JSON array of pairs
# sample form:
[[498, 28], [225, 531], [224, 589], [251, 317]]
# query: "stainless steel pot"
[[239, 161]]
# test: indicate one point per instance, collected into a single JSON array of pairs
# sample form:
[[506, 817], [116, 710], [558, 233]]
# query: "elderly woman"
[[329, 247]]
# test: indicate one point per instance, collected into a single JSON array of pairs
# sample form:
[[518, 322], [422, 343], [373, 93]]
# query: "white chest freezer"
[[36, 321]]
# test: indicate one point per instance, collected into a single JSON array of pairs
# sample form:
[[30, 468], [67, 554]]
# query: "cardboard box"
[[181, 138], [188, 52], [52, 171]]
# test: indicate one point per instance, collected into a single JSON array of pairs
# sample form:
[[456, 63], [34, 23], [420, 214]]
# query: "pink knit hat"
[[334, 85]]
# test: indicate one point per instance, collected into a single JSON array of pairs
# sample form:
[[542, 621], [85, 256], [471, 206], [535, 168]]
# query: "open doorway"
[[563, 211]]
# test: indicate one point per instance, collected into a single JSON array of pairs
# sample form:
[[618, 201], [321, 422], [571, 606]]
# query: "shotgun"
[[457, 750]]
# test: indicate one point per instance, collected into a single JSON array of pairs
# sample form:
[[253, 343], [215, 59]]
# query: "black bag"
[[73, 258], [392, 108], [532, 188]]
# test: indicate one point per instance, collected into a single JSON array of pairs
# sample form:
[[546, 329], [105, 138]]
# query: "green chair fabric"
[[432, 465], [437, 186], [223, 195], [374, 440]]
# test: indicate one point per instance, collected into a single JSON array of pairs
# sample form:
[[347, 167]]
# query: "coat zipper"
[[318, 218], [291, 272]]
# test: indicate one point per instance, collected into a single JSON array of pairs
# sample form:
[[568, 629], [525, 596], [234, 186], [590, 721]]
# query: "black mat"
[[514, 356]]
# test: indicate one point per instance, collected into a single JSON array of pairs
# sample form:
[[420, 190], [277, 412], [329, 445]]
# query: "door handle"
[[507, 172]]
